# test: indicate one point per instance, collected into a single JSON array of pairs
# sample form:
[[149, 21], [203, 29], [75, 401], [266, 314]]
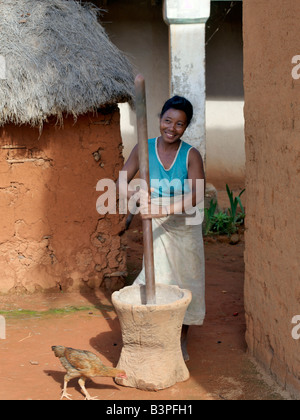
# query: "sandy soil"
[[219, 366]]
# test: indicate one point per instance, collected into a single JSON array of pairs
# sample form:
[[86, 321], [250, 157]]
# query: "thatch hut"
[[59, 135]]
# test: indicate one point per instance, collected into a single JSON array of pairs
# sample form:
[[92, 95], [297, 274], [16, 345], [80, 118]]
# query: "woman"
[[174, 169]]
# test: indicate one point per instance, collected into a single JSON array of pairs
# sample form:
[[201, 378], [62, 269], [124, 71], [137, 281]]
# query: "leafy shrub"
[[224, 222]]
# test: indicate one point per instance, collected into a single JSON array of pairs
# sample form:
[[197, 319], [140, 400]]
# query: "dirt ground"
[[219, 366]]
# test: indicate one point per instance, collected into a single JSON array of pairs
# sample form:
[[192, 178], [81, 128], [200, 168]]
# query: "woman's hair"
[[180, 103]]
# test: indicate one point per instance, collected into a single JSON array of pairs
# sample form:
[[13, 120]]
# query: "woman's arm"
[[196, 174]]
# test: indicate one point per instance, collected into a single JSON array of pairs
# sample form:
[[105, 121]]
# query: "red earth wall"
[[51, 236], [272, 125]]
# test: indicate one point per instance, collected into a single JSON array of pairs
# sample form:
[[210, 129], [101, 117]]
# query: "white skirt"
[[179, 260]]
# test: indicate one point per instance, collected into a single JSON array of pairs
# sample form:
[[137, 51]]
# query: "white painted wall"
[[188, 75], [225, 151]]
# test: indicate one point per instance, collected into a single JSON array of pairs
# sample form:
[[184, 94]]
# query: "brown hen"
[[83, 364]]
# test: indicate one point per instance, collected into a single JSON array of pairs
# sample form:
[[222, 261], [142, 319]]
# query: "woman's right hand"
[[149, 210]]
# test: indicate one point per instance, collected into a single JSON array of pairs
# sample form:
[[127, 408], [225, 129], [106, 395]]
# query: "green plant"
[[236, 218], [224, 222], [221, 223], [209, 216]]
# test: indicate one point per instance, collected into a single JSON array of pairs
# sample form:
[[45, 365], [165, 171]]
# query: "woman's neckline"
[[175, 158]]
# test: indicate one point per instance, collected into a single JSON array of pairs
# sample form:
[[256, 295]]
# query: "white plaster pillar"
[[186, 20]]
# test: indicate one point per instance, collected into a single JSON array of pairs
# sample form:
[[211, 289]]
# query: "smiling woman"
[[178, 244], [172, 126]]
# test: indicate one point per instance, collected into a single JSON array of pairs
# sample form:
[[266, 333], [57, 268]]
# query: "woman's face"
[[173, 124]]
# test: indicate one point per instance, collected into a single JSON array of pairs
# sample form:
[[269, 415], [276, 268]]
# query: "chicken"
[[82, 364]]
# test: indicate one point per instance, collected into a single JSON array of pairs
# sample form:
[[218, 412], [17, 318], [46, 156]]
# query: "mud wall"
[[51, 236], [272, 115]]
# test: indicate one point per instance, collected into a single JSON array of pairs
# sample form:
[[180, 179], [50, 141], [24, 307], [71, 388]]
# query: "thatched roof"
[[58, 60]]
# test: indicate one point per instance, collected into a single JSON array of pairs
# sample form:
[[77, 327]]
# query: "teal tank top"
[[168, 182]]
